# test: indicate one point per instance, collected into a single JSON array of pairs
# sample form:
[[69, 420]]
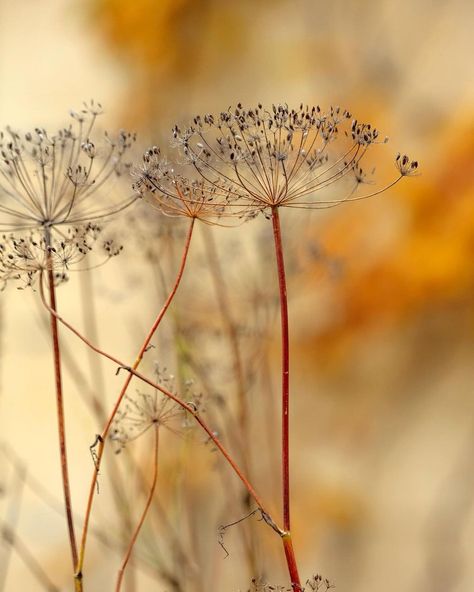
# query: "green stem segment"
[[285, 398], [60, 413]]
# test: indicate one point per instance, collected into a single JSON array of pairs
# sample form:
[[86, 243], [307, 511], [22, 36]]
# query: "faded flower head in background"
[[143, 411]]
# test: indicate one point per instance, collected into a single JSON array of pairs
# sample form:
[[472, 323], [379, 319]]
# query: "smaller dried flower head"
[[260, 585], [49, 180], [176, 194], [406, 166], [22, 258], [318, 584], [315, 584], [144, 411]]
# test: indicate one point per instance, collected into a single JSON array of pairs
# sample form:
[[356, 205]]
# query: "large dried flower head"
[[274, 157], [48, 180], [177, 194], [25, 257]]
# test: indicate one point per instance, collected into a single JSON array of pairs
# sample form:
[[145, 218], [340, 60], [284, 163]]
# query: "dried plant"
[[231, 167], [260, 160], [50, 180], [47, 188]]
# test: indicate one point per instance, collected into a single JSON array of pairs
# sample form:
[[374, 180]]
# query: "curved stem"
[[285, 401], [144, 513], [60, 411], [105, 431], [187, 407]]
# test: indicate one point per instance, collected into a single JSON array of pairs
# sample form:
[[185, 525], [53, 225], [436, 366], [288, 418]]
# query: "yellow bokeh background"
[[381, 292]]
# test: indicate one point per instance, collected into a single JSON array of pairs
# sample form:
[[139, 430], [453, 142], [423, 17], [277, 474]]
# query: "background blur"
[[381, 292]]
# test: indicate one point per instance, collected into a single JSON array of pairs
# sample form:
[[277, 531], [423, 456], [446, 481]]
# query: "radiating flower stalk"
[[47, 187]]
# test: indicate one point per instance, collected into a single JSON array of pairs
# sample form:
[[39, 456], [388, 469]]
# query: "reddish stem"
[[105, 432], [188, 407], [291, 562], [144, 513], [285, 399], [285, 370], [60, 413]]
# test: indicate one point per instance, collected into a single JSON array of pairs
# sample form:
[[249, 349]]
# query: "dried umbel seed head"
[[48, 180], [406, 166], [175, 194], [263, 158], [140, 413], [318, 584], [22, 258]]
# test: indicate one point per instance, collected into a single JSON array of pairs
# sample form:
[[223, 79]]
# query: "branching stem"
[[105, 431]]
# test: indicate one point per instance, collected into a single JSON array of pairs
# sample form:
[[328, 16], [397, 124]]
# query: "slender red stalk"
[[144, 513], [105, 431], [291, 562], [60, 413], [188, 407], [285, 370], [285, 401], [283, 533]]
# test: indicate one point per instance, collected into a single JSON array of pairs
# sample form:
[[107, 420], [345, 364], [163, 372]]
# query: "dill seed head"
[[49, 180], [139, 414], [270, 157], [151, 410], [406, 166], [23, 257], [176, 194]]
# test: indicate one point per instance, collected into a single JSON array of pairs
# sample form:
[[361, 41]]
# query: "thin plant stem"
[[222, 297], [266, 516], [89, 314], [60, 410], [103, 436], [285, 401], [225, 310], [186, 406], [28, 558], [11, 518], [136, 532]]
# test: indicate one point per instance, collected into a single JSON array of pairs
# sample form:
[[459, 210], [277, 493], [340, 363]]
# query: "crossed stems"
[[190, 408], [103, 436]]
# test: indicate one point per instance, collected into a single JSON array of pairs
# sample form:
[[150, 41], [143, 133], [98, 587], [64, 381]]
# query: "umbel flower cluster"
[[23, 256], [48, 185], [143, 411], [252, 160]]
